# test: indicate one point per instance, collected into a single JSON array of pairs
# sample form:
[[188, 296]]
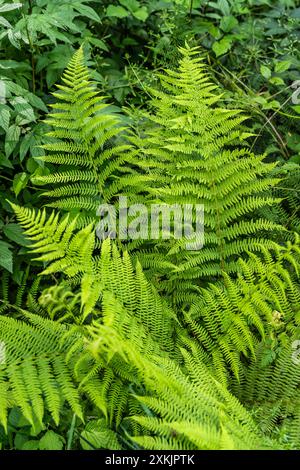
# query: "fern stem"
[[71, 432]]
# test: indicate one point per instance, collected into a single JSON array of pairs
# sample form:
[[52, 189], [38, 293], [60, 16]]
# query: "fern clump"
[[199, 154], [85, 150], [150, 345]]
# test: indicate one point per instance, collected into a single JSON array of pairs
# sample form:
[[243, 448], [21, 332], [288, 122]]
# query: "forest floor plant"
[[111, 350]]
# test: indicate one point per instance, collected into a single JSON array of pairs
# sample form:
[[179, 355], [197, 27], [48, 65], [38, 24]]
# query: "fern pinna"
[[199, 154]]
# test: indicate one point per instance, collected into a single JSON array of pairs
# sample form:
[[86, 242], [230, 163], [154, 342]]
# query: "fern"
[[231, 319], [199, 154], [216, 373], [85, 150]]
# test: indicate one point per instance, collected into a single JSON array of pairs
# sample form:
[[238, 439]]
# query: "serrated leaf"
[[31, 445], [9, 7], [265, 71], [86, 11], [117, 11], [98, 43], [100, 436], [141, 14], [227, 23], [51, 441], [20, 182], [282, 66], [276, 81], [131, 5], [4, 118], [5, 23], [221, 47], [6, 256], [15, 233], [26, 143], [11, 139]]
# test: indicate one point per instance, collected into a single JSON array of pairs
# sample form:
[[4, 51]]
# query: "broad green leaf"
[[4, 161], [51, 441], [11, 139], [98, 43], [227, 23], [221, 47], [6, 256], [31, 445], [36, 102], [276, 81], [265, 71], [141, 14], [27, 141], [5, 23], [24, 110], [282, 66], [86, 11], [131, 5], [20, 181], [9, 7], [14, 232], [2, 92], [4, 117], [221, 5], [117, 11]]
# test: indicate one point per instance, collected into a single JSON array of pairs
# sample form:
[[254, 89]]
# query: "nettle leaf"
[[265, 71], [282, 66], [117, 11], [14, 38], [9, 7], [30, 445], [6, 256], [141, 14], [24, 110], [223, 46], [276, 81], [51, 441], [131, 5], [4, 161], [4, 117], [20, 181], [98, 43], [5, 23], [87, 11], [227, 23], [17, 90], [14, 232], [27, 141], [11, 139], [221, 5]]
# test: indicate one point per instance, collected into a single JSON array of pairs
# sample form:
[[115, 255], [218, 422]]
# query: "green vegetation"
[[143, 343]]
